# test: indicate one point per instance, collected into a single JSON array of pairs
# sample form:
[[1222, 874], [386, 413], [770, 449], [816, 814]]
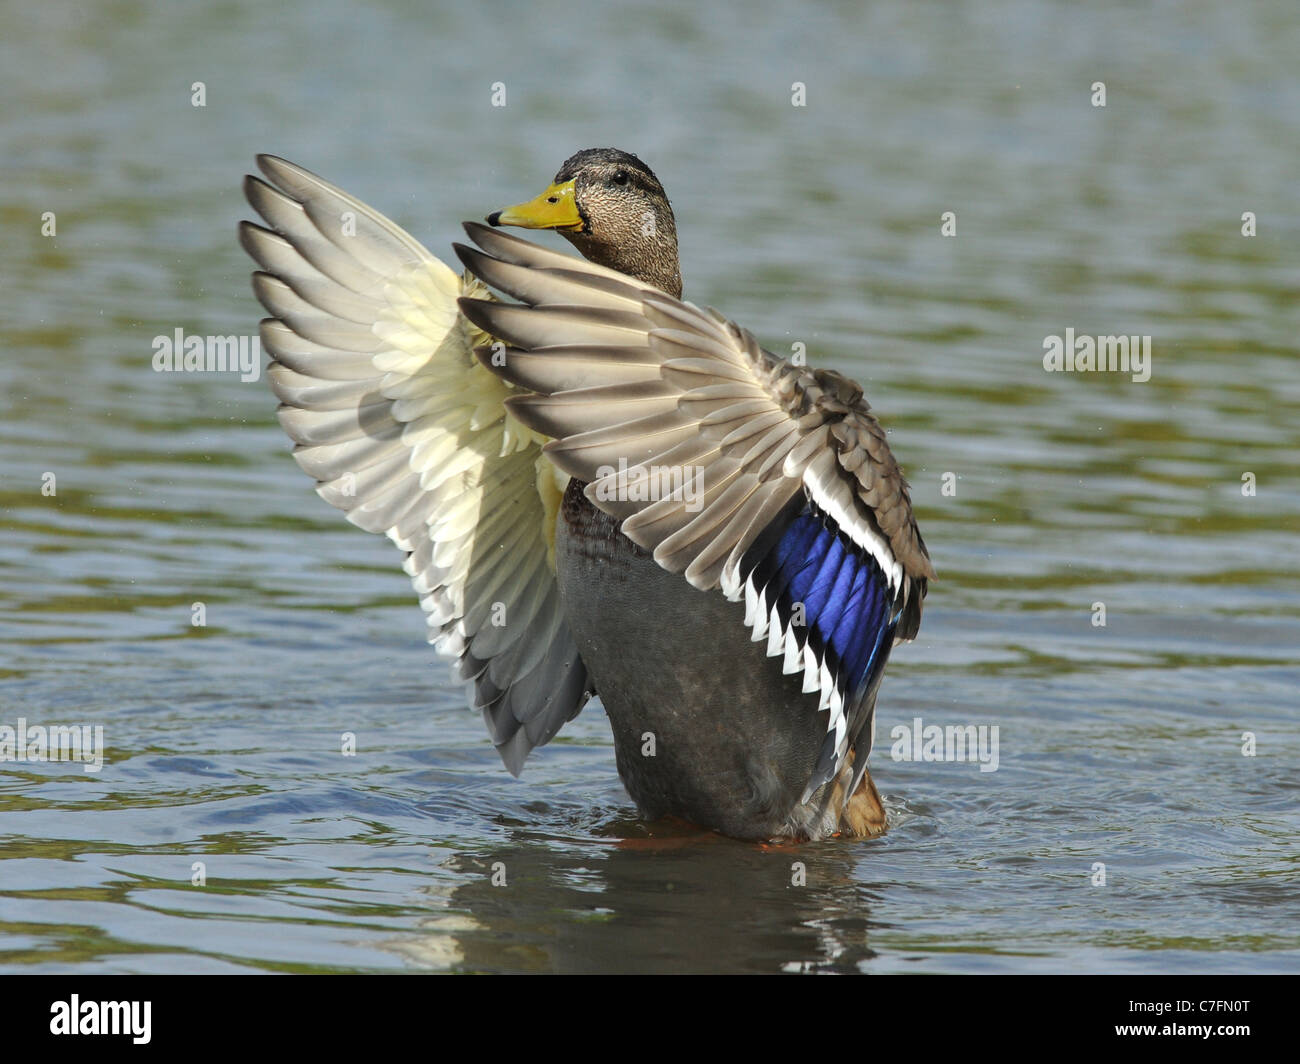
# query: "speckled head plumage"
[[613, 209]]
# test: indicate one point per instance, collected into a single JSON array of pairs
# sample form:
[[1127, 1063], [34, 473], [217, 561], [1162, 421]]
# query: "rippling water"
[[1120, 745]]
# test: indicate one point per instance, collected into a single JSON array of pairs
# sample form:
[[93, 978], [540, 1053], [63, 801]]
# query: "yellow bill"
[[556, 208]]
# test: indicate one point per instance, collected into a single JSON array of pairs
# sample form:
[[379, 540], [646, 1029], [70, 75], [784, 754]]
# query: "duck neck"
[[650, 256]]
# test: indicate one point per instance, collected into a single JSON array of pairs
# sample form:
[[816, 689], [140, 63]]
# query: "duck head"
[[612, 208]]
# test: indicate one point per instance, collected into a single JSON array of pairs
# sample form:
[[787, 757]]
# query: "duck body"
[[701, 730], [734, 617]]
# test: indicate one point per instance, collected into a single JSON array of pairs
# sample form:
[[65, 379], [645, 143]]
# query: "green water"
[[1120, 745]]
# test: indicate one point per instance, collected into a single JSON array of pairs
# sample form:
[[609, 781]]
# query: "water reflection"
[[683, 902]]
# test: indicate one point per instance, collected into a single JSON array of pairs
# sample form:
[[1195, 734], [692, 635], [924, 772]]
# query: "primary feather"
[[409, 435]]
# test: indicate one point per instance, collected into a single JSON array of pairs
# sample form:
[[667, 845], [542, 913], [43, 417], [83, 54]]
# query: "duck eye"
[[620, 177]]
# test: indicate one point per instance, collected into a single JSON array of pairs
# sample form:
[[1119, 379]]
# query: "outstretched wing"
[[407, 434], [741, 471]]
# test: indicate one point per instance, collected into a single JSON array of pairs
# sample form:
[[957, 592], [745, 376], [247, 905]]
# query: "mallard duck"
[[603, 489]]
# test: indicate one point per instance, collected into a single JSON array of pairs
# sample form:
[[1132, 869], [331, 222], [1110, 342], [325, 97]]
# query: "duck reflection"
[[662, 898]]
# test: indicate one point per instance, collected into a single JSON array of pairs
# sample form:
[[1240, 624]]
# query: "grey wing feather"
[[698, 440], [408, 434]]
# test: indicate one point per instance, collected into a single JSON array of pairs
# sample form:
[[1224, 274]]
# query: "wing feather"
[[707, 447], [408, 433]]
